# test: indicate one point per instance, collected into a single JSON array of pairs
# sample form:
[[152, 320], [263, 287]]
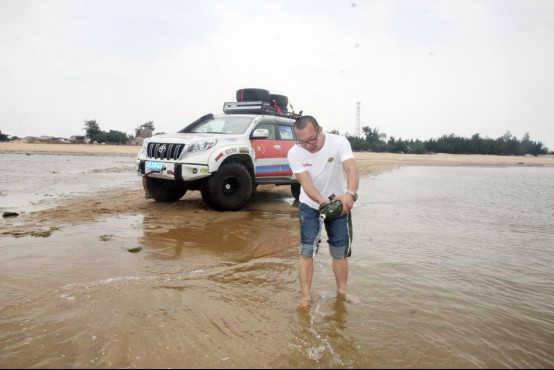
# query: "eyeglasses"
[[310, 141]]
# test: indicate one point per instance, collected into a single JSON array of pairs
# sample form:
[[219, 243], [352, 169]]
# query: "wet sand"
[[215, 289], [131, 201]]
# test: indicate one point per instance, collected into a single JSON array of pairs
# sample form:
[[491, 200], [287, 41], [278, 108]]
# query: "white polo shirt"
[[324, 167]]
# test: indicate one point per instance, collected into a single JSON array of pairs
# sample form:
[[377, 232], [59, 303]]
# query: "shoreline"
[[68, 149], [368, 163], [130, 200]]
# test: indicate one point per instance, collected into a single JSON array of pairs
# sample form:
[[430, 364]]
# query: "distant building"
[[144, 131], [136, 141], [77, 139]]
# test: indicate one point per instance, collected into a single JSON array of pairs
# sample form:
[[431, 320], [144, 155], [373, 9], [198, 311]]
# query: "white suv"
[[224, 156]]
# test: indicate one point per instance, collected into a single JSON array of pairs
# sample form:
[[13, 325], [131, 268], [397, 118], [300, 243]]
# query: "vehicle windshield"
[[224, 125]]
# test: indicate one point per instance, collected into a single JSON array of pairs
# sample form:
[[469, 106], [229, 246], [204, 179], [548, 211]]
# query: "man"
[[318, 161]]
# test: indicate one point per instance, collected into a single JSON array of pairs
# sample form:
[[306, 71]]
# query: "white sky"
[[421, 69]]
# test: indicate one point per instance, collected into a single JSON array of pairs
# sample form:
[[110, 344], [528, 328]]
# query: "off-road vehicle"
[[224, 156]]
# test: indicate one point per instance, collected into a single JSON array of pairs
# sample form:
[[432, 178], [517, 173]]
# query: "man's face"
[[309, 138]]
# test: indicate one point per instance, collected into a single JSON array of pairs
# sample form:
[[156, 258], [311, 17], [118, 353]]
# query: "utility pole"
[[358, 131]]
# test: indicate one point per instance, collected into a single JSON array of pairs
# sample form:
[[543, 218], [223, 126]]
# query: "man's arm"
[[352, 183], [305, 180]]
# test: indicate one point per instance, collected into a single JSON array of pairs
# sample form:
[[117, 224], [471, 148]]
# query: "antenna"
[[358, 132]]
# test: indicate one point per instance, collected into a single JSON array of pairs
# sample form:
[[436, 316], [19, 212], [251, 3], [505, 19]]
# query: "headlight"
[[144, 149], [198, 146]]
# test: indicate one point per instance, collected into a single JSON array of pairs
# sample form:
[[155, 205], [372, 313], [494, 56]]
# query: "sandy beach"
[[368, 163], [132, 201], [86, 149], [106, 278]]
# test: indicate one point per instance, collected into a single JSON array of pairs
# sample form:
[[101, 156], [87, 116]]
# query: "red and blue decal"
[[271, 158]]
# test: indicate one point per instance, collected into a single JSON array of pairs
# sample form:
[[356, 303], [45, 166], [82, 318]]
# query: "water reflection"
[[187, 230]]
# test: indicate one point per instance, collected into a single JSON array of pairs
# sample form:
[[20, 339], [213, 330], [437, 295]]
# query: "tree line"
[[4, 137], [507, 144], [94, 134], [374, 141]]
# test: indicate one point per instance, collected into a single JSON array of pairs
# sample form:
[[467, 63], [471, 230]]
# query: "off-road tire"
[[228, 189], [281, 100], [253, 95], [164, 190]]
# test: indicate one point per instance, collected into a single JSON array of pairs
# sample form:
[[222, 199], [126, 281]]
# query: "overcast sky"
[[420, 69]]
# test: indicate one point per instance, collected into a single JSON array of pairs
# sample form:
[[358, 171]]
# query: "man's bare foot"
[[353, 300], [304, 303], [350, 299]]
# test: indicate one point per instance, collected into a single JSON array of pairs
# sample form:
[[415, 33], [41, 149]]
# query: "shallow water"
[[33, 182], [453, 267]]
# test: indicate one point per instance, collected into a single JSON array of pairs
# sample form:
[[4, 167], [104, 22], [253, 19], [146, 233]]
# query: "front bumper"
[[183, 172]]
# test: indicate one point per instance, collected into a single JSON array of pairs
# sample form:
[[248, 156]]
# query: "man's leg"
[[340, 268], [305, 274], [338, 240], [309, 227]]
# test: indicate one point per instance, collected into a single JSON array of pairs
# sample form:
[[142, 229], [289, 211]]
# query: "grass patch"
[[106, 238], [135, 250], [41, 234], [17, 234], [36, 234]]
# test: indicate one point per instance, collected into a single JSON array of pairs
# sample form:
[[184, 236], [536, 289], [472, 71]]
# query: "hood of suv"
[[183, 137]]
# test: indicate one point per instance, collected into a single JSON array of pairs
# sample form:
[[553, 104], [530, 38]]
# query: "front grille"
[[168, 151]]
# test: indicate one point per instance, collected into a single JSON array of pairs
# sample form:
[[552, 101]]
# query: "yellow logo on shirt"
[[331, 159]]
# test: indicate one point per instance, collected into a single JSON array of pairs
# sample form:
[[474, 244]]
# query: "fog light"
[[194, 171]]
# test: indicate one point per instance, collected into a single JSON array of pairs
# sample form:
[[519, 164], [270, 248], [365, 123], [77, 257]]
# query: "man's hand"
[[347, 201]]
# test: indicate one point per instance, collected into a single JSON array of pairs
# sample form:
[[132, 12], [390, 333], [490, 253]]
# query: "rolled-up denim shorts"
[[337, 232]]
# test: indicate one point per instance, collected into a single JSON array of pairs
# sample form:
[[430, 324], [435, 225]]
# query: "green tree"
[[415, 147], [373, 139], [358, 144], [397, 146], [92, 129], [117, 137], [100, 137], [3, 137], [371, 135]]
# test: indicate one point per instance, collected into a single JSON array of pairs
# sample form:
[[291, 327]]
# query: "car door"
[[285, 134], [268, 151]]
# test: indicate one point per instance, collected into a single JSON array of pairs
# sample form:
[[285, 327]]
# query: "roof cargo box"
[[247, 107]]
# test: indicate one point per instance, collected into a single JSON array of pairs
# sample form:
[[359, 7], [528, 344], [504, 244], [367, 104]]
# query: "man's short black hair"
[[301, 123]]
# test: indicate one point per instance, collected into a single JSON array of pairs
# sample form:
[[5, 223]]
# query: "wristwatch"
[[354, 195]]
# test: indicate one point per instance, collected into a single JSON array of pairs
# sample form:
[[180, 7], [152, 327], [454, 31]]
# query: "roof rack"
[[257, 107]]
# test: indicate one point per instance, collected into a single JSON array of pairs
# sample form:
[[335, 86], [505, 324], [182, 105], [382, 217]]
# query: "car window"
[[286, 132], [269, 126], [224, 125]]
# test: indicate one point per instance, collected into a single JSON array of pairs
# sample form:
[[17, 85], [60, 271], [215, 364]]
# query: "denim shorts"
[[337, 232]]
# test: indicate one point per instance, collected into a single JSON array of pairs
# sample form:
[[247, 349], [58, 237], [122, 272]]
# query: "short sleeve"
[[295, 161], [345, 150]]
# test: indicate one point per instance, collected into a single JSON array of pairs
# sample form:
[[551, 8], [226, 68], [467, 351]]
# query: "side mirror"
[[260, 133]]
